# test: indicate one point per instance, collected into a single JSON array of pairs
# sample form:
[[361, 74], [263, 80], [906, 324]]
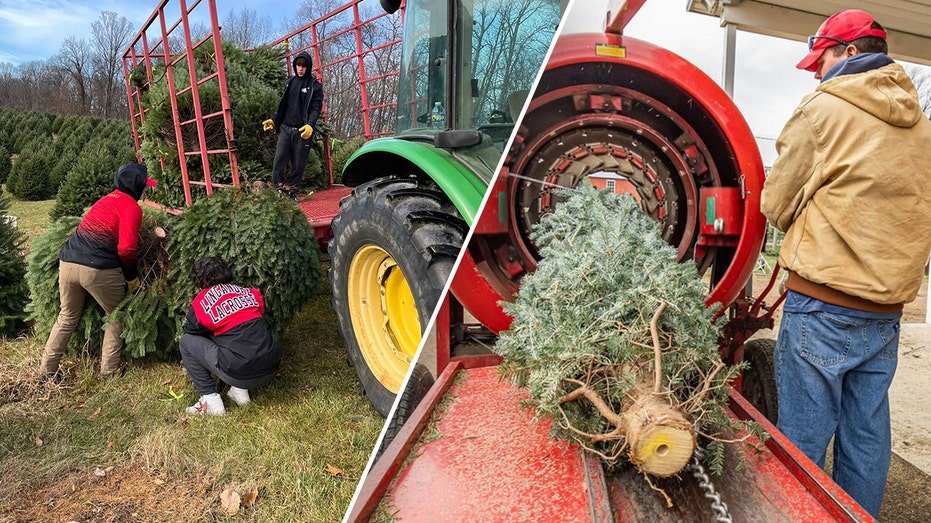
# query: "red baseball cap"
[[840, 28]]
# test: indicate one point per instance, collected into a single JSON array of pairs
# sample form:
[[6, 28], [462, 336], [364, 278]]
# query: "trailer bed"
[[320, 208]]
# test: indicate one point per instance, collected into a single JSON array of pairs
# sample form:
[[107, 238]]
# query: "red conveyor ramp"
[[482, 457]]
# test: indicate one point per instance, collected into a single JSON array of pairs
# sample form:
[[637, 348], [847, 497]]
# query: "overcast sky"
[[35, 29]]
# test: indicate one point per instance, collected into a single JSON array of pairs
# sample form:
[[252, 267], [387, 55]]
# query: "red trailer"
[[170, 22], [469, 451]]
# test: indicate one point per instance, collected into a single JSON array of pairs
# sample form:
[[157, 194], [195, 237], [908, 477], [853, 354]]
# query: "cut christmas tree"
[[613, 341]]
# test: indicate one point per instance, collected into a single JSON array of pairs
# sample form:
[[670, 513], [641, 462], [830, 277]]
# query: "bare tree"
[[74, 60], [311, 10], [111, 34], [32, 76], [245, 28], [509, 37], [8, 82]]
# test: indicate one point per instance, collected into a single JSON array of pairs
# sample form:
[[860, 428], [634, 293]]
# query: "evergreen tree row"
[[13, 291], [39, 151]]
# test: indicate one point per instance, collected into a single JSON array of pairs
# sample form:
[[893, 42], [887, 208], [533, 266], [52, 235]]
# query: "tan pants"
[[75, 282]]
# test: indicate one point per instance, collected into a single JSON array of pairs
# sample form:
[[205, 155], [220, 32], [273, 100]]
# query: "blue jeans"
[[833, 370]]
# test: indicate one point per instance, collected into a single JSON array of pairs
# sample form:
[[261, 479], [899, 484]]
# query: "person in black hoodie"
[[226, 336], [294, 122], [98, 259]]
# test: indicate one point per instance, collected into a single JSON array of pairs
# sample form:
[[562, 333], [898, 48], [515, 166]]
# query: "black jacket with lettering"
[[231, 316]]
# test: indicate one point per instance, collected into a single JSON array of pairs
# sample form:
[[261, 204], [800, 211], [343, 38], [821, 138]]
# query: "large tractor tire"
[[759, 382], [394, 244]]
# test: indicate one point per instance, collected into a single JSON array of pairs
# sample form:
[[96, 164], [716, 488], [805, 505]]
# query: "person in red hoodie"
[[226, 336], [98, 259]]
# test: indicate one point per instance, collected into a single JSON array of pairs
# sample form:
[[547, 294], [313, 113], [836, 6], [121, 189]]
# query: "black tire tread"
[[431, 226], [420, 382], [760, 353]]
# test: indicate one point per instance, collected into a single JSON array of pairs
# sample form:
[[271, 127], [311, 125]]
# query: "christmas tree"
[[268, 244], [613, 341], [13, 295]]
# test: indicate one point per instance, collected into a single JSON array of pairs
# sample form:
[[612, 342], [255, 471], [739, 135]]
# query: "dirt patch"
[[122, 495], [917, 311]]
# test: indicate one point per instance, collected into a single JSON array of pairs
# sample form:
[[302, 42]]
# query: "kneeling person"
[[226, 336]]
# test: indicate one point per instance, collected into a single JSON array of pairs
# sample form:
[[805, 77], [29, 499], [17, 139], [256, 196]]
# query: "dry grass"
[[53, 437]]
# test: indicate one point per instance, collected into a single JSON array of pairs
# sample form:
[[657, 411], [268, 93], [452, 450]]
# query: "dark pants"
[[199, 357], [200, 354], [293, 149]]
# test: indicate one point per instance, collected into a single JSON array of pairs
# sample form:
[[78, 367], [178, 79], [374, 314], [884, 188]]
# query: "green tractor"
[[466, 70]]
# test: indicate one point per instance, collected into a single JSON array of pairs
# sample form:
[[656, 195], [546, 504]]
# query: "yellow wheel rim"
[[384, 315]]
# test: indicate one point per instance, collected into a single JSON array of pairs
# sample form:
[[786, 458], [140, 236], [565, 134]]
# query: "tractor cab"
[[466, 70]]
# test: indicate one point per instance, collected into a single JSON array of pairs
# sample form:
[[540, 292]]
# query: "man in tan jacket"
[[852, 190]]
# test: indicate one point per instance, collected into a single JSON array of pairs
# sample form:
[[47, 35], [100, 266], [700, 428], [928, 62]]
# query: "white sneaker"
[[211, 404], [239, 396]]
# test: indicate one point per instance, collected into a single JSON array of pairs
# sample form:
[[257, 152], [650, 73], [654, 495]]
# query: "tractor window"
[[422, 82], [502, 45]]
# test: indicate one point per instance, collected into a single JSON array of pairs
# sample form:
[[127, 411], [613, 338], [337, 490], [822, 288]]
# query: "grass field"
[[302, 444]]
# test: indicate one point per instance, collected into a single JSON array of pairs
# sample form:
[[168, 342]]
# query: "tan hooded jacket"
[[852, 190]]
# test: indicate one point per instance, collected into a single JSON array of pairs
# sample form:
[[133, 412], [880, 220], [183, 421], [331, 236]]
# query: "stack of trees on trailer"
[[254, 80]]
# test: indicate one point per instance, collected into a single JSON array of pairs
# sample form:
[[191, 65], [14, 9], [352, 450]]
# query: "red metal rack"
[[296, 42], [313, 36], [161, 53]]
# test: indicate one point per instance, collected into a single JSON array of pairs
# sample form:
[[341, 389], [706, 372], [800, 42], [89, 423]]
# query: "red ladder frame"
[[152, 55], [139, 53], [359, 55]]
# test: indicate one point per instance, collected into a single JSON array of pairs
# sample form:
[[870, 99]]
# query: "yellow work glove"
[[268, 125], [132, 285], [306, 130]]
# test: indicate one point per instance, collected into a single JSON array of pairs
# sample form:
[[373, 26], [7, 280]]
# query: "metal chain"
[[721, 514]]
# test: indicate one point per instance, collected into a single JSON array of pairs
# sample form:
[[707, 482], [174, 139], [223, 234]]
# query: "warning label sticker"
[[617, 51]]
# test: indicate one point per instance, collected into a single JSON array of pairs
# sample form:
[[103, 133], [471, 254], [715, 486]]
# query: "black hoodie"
[[108, 235], [302, 100]]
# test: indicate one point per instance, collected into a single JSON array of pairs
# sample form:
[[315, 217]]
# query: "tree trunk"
[[660, 440]]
